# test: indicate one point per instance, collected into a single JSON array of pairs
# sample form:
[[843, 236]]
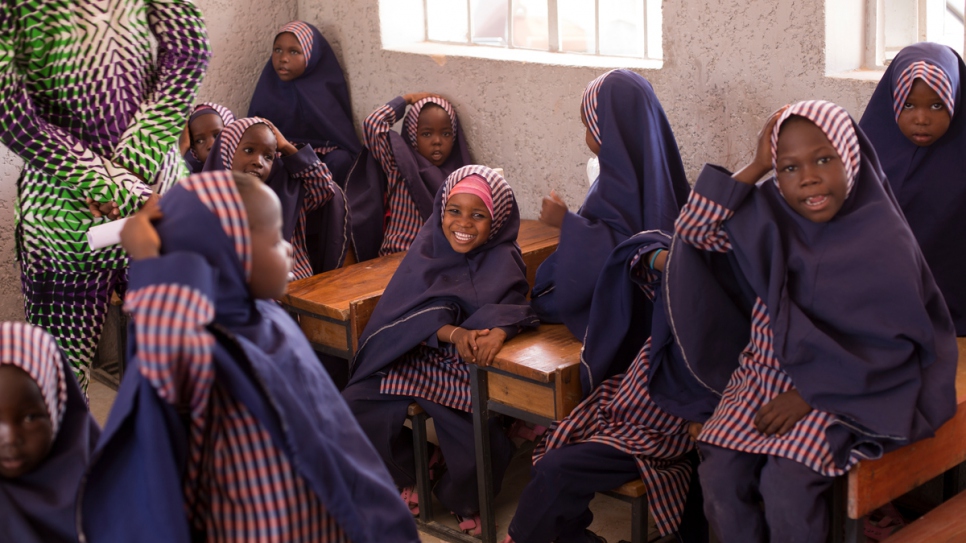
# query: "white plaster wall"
[[727, 65], [241, 33]]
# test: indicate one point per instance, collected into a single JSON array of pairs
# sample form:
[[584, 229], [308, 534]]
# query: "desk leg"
[[481, 433], [952, 483]]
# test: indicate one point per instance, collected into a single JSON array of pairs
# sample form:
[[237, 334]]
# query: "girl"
[[641, 187], [46, 438], [203, 126], [255, 146], [617, 433], [457, 296], [802, 245], [914, 123], [391, 189], [302, 91], [227, 428]]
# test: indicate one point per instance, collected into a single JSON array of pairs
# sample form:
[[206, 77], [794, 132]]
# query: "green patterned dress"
[[93, 95]]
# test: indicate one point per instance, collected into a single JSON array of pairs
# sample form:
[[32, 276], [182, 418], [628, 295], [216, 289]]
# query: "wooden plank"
[[539, 354], [522, 394], [874, 483], [322, 332], [944, 524], [331, 293], [359, 313], [632, 489], [567, 389]]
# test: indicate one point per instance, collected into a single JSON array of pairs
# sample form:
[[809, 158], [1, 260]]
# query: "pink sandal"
[[470, 525], [523, 430], [882, 523], [411, 499]]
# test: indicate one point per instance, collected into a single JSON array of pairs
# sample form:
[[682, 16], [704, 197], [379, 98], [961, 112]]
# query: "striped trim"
[[932, 75], [303, 33], [412, 116], [232, 134], [837, 125], [227, 117], [588, 105], [499, 189], [218, 193], [35, 352]]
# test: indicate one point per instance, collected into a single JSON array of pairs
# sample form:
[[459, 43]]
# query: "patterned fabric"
[[217, 191], [252, 492], [232, 134], [835, 122], [759, 377], [500, 191], [227, 117], [35, 352], [411, 120], [438, 375], [92, 114], [933, 76], [588, 106], [621, 414], [303, 33]]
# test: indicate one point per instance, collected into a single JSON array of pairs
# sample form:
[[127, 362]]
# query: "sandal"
[[470, 525], [520, 429], [882, 523], [411, 499]]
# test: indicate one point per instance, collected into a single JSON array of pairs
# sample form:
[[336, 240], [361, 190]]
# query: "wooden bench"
[[944, 524], [334, 306], [535, 377], [635, 493], [872, 484]]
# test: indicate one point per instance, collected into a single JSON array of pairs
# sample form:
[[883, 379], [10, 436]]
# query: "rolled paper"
[[593, 170], [105, 235]]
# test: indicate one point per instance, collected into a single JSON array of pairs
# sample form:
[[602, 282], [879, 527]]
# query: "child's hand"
[[761, 163], [107, 209], [694, 430], [780, 415], [139, 237], [283, 145], [414, 97], [184, 142], [489, 345], [553, 211]]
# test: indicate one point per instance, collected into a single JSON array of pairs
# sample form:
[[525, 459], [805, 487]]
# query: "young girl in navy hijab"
[[303, 92], [641, 187], [46, 440], [303, 184], [457, 296], [200, 132], [225, 427], [915, 124], [391, 188], [852, 351]]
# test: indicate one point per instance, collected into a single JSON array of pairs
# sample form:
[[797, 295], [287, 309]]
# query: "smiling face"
[[288, 57], [466, 222], [434, 134], [204, 129], [924, 117], [810, 172], [26, 431], [255, 152]]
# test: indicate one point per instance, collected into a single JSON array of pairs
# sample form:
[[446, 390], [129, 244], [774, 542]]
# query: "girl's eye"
[[248, 150], [479, 216], [825, 160], [907, 105], [789, 168], [277, 50], [447, 134], [938, 106], [425, 134], [269, 157], [295, 52], [35, 417], [453, 211]]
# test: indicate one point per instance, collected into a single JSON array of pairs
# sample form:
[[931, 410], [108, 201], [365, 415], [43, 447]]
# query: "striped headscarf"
[[206, 108], [231, 136], [412, 117], [303, 33], [835, 123], [933, 75], [35, 352], [588, 106], [500, 191], [218, 192]]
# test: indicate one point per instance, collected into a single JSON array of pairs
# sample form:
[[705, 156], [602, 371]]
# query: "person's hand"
[[489, 345], [152, 199], [139, 238], [414, 97], [284, 146], [553, 211], [780, 414], [659, 262], [466, 342], [184, 141], [694, 430], [106, 209], [761, 163]]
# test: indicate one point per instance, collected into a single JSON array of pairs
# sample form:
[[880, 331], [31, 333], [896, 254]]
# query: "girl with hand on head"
[[200, 132]]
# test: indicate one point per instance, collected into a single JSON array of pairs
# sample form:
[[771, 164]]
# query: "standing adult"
[[95, 115]]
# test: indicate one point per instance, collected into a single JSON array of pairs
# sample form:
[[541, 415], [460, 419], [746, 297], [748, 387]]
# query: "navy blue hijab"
[[206, 108], [857, 320], [929, 182], [313, 108], [260, 357], [434, 285], [641, 186]]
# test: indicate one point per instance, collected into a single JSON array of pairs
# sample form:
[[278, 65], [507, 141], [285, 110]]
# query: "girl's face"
[[589, 136], [811, 174], [204, 129], [924, 117], [26, 431], [271, 255], [434, 134], [288, 58], [466, 222], [256, 152]]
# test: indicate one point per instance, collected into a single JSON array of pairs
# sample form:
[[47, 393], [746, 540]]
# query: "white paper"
[[105, 235], [593, 170]]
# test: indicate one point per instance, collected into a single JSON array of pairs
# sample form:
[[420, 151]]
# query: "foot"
[[411, 499], [470, 525]]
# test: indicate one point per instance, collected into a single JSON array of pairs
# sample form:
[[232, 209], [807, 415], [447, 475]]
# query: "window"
[[625, 28], [903, 22]]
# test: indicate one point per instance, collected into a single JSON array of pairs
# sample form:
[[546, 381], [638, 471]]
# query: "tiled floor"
[[611, 516]]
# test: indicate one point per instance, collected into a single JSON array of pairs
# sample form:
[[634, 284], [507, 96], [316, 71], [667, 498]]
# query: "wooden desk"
[[334, 306], [873, 483], [535, 377]]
